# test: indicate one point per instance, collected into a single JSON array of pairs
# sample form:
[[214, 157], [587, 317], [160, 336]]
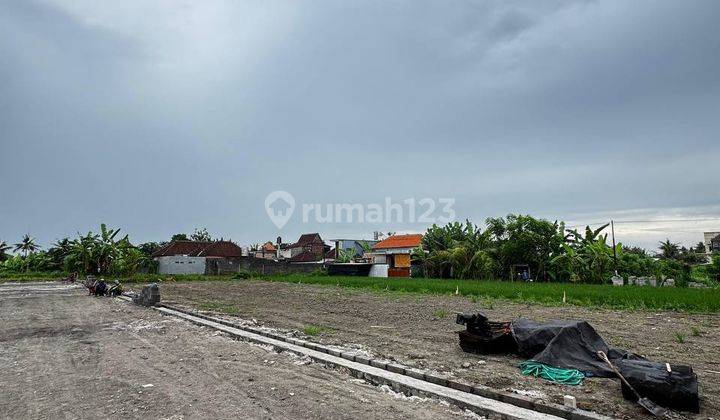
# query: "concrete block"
[[378, 364], [378, 373], [415, 373], [460, 386], [362, 359], [395, 368], [435, 379]]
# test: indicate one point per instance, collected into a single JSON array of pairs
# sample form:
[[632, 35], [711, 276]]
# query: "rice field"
[[554, 294]]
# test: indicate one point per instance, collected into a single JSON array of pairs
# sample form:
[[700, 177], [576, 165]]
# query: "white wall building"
[[707, 238], [181, 264]]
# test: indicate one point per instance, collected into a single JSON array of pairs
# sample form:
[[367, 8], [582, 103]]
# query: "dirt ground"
[[419, 330], [67, 355]]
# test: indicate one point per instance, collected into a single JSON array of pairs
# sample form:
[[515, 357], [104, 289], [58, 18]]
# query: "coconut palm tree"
[[57, 253], [669, 250], [27, 246]]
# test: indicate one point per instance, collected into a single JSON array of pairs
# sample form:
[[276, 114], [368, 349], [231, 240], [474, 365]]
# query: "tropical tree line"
[[547, 251], [103, 253]]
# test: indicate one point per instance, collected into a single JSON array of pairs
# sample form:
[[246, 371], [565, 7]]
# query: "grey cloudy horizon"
[[163, 116]]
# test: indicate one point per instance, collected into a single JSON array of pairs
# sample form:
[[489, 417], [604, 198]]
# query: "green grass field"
[[629, 297], [6, 277], [650, 298]]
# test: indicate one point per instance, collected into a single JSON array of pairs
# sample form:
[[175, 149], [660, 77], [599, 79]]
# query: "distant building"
[[715, 244], [285, 252], [330, 256], [267, 251], [309, 248], [394, 252], [196, 257], [356, 246], [712, 242]]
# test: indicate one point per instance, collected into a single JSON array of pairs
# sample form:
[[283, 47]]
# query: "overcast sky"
[[162, 116]]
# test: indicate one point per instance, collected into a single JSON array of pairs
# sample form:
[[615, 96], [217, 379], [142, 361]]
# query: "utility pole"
[[612, 228]]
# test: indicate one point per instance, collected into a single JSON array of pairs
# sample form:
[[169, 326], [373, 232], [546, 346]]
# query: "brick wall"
[[257, 265]]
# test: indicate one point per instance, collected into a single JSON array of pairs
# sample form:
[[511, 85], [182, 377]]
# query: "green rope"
[[561, 376]]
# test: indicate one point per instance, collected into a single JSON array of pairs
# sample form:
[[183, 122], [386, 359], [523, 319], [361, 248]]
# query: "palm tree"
[[27, 246], [4, 247], [58, 251], [669, 250]]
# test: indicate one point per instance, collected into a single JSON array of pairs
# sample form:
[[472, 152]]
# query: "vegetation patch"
[[442, 313], [225, 308], [313, 330]]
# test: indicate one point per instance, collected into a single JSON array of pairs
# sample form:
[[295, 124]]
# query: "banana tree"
[[107, 249], [81, 256], [599, 257], [345, 255], [570, 262]]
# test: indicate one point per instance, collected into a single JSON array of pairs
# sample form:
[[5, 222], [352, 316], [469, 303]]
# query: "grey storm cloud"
[[160, 117]]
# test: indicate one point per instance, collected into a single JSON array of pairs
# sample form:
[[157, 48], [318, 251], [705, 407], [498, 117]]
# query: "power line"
[[709, 219]]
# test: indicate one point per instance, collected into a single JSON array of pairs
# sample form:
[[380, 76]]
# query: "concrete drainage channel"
[[479, 399]]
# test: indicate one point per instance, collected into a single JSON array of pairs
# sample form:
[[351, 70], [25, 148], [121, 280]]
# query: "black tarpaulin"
[[574, 345], [567, 345]]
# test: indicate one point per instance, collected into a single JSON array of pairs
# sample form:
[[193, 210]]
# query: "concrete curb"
[[401, 378]]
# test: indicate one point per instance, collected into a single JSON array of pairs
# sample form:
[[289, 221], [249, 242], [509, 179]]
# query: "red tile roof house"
[[268, 251], [310, 248], [394, 253], [195, 257]]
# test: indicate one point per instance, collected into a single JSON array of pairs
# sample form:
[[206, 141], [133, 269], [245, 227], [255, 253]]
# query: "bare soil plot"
[[419, 330], [66, 355]]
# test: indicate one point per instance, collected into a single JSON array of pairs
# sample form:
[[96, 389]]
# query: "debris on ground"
[[400, 396], [100, 287], [71, 278], [567, 351], [530, 393], [115, 289]]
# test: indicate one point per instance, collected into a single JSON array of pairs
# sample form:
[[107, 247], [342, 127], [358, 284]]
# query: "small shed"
[[394, 252]]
